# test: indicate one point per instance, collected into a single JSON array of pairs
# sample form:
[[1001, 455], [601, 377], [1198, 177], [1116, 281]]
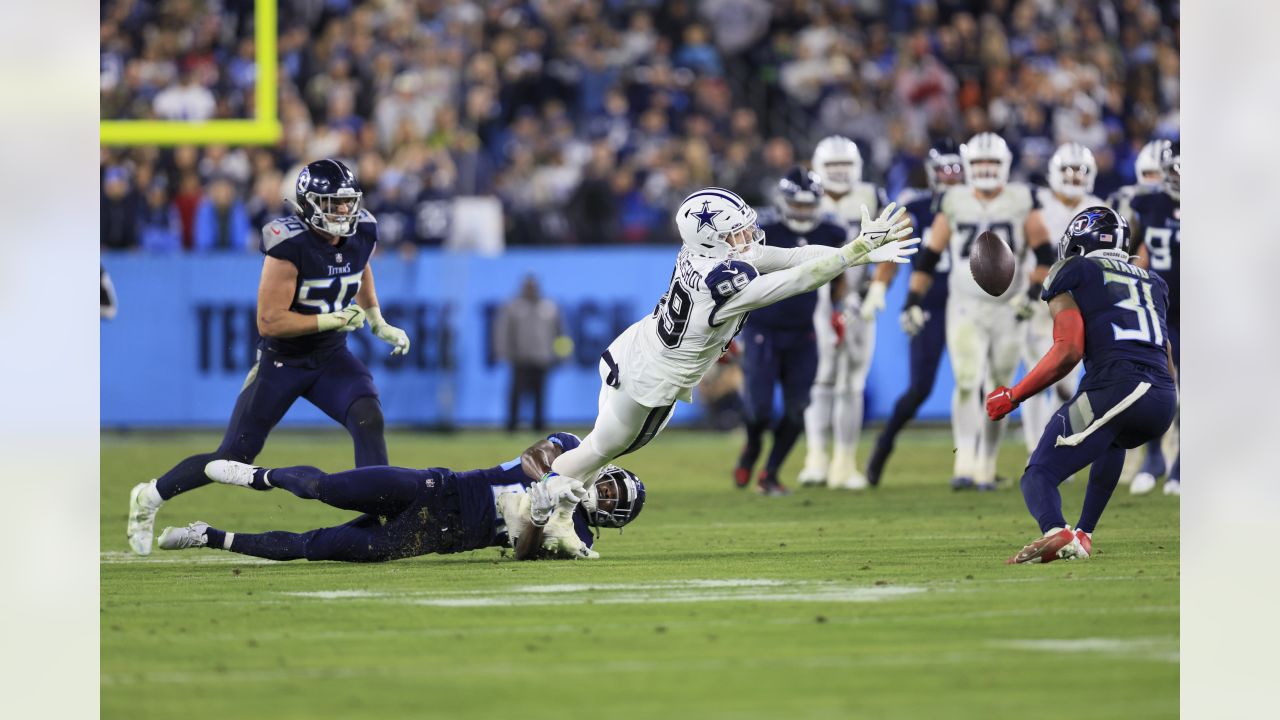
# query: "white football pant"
[[622, 426], [984, 343]]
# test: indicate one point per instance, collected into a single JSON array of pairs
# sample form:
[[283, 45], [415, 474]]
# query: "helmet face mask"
[[986, 160], [1146, 168], [798, 195], [615, 498], [715, 223], [1072, 171], [838, 163], [328, 197]]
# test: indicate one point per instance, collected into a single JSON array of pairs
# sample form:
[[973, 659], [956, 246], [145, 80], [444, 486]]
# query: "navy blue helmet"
[[943, 167], [328, 197], [798, 194], [615, 499], [1097, 229], [1171, 165]]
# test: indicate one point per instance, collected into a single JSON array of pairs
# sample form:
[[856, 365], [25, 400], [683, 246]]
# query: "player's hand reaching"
[[348, 319], [882, 239], [554, 492], [1023, 306], [913, 319], [1000, 402], [388, 333]]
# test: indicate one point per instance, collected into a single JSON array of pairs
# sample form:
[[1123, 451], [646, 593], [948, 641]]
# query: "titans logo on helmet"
[[707, 217], [1085, 220], [304, 179]]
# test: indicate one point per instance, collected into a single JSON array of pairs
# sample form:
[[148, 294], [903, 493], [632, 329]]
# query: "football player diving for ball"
[[316, 286], [408, 512], [1112, 314], [723, 272]]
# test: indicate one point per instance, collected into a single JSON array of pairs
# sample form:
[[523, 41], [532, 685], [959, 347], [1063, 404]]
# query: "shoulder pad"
[[1057, 269], [279, 230], [726, 279], [366, 216]]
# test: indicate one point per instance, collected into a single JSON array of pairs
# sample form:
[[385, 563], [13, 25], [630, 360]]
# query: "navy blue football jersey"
[[478, 492], [1124, 309], [328, 275], [1159, 219], [796, 312], [922, 208]]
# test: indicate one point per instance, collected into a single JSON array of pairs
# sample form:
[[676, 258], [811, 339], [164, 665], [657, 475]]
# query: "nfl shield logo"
[[339, 257]]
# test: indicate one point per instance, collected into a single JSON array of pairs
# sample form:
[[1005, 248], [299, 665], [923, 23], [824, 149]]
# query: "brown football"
[[992, 264]]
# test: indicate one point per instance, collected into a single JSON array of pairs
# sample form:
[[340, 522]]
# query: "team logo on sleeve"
[[706, 218]]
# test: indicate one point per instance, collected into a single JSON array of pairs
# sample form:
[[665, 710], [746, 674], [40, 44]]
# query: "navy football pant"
[[341, 386], [925, 357], [770, 357], [389, 497], [1154, 461], [1099, 441]]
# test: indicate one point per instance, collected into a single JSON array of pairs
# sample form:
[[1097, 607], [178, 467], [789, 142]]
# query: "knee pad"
[[365, 415]]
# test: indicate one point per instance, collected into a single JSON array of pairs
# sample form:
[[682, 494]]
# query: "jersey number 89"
[[673, 314]]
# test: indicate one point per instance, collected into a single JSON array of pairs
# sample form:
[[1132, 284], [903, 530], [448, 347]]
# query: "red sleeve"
[[1068, 348]]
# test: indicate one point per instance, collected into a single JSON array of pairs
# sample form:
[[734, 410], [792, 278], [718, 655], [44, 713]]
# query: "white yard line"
[[1163, 649]]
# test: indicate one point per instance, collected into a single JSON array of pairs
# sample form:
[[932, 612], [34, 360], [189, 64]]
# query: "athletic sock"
[[1104, 475], [217, 539], [260, 481], [186, 475]]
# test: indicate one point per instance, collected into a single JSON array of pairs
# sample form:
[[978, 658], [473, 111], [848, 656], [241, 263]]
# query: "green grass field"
[[716, 603]]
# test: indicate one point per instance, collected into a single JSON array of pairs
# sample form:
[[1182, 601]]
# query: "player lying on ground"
[[410, 512], [1112, 314], [723, 272], [316, 286]]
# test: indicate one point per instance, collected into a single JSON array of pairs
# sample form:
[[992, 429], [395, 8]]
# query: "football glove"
[[388, 333], [542, 505], [348, 319], [837, 324], [566, 491], [912, 319], [874, 301], [882, 239], [1023, 306], [1000, 402]]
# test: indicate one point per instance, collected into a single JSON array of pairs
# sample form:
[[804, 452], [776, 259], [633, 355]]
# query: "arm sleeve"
[[768, 289], [773, 259], [1068, 346]]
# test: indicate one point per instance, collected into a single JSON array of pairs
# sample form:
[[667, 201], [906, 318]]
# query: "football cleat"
[[1059, 543], [1172, 487], [1142, 484], [230, 472], [814, 471], [984, 487], [961, 483], [741, 476], [1084, 543], [767, 484], [856, 481], [194, 535], [142, 517]]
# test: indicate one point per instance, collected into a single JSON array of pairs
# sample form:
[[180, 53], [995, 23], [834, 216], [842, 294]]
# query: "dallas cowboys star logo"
[[706, 218]]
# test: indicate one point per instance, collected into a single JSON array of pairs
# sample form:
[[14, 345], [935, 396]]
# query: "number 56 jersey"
[[328, 276], [1124, 309], [1005, 215]]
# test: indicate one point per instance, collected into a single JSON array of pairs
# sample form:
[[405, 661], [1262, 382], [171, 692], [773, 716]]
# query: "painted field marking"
[[1151, 648]]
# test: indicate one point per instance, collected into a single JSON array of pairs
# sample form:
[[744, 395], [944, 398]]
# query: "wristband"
[[928, 259], [914, 298]]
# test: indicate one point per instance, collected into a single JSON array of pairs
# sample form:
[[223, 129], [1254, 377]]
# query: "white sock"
[[966, 426], [817, 420], [847, 419], [988, 450], [226, 540], [151, 496]]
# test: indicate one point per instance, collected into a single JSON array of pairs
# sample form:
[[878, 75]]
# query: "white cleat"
[[856, 481], [1142, 484], [230, 472], [193, 535], [143, 504], [1172, 487], [814, 472]]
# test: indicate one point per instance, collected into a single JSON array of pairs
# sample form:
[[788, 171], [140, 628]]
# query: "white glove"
[[542, 504], [348, 319], [881, 239], [913, 319], [567, 491], [1022, 305], [874, 301], [388, 333]]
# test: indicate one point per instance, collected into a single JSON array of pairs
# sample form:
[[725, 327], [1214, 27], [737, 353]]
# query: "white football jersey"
[[1057, 215], [968, 216], [847, 213]]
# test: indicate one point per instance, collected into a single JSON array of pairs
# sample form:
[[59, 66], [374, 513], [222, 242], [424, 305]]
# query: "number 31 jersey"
[[1124, 309], [1005, 215], [328, 276]]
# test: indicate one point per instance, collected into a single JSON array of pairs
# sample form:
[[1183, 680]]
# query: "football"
[[992, 264]]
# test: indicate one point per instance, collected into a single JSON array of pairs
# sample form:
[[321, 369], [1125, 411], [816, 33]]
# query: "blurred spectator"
[[119, 211], [188, 100], [158, 223], [221, 222], [525, 336]]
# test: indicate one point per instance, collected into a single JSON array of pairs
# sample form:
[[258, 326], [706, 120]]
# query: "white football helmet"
[[838, 163], [986, 148], [1146, 168], [1072, 170], [716, 223]]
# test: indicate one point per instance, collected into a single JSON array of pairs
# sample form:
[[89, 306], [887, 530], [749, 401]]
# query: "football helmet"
[[717, 224], [1096, 231], [1171, 165], [615, 498], [323, 189], [1072, 170], [986, 161], [798, 195], [1146, 168], [838, 163], [942, 167]]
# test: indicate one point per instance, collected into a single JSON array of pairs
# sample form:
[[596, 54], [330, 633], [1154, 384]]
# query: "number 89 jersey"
[[328, 275], [664, 355], [1005, 215]]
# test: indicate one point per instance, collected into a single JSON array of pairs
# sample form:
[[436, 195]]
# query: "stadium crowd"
[[591, 120]]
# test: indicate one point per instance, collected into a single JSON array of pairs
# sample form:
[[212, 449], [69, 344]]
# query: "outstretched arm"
[[773, 259], [1057, 363]]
